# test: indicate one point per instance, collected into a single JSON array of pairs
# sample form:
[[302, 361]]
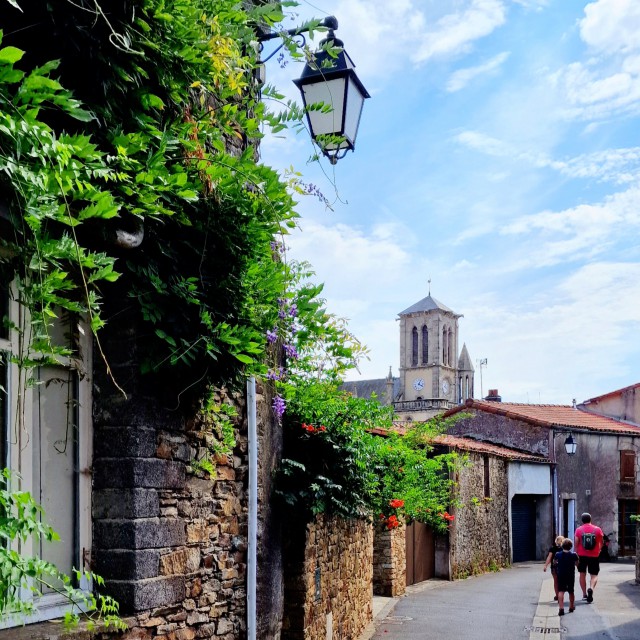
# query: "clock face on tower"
[[418, 384], [445, 387]]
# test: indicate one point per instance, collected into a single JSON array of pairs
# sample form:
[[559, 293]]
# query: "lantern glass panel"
[[355, 102], [330, 93]]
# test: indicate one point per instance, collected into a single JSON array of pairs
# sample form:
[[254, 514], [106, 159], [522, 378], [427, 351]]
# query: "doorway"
[[523, 528], [421, 552], [627, 527]]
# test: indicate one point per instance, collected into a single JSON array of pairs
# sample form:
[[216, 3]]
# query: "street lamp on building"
[[332, 93], [570, 445]]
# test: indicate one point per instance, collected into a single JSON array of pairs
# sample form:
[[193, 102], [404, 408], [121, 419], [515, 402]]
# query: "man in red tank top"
[[589, 540]]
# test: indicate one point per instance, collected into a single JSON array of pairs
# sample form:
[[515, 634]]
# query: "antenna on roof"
[[429, 281]]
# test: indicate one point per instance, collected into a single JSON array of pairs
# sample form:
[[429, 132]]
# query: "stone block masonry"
[[328, 567], [389, 561], [170, 544]]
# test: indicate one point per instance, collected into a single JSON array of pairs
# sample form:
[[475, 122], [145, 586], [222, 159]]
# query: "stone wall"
[[479, 534], [495, 428], [171, 545], [389, 561], [328, 579]]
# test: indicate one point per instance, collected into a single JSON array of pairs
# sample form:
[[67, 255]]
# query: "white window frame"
[[20, 453]]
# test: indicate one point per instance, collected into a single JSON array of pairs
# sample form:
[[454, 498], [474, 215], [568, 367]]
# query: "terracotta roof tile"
[[551, 415], [469, 444]]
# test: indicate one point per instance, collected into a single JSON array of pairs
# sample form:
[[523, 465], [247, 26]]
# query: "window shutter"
[[627, 466]]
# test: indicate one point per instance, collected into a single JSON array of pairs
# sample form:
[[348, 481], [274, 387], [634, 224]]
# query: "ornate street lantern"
[[570, 445], [333, 97]]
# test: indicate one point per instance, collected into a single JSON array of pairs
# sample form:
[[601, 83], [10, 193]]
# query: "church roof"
[[426, 304], [366, 388], [464, 361]]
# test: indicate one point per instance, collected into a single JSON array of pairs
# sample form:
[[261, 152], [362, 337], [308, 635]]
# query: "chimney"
[[493, 396]]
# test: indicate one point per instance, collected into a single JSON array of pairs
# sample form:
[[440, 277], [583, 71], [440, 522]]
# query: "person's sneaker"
[[589, 595], [555, 597], [560, 612], [585, 597], [572, 609]]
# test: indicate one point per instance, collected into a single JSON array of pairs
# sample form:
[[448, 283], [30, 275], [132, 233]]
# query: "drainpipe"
[[252, 542], [554, 482]]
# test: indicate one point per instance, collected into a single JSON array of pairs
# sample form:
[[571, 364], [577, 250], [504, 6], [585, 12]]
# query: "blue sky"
[[500, 157]]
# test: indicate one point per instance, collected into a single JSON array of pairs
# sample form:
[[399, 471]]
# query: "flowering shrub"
[[333, 464]]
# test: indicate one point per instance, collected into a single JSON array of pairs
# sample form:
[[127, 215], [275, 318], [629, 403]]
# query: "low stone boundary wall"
[[328, 579], [389, 561]]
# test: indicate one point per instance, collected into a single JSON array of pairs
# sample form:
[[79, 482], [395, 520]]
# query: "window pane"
[[4, 409], [4, 310], [55, 461]]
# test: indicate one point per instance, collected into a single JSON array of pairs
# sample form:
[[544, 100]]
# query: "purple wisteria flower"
[[290, 351], [282, 314], [279, 407], [275, 374], [272, 336], [293, 310]]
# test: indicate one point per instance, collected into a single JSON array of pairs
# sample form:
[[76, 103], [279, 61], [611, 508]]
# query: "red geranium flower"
[[396, 503]]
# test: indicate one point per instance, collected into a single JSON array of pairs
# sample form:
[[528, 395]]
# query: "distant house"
[[623, 404], [491, 529], [601, 477]]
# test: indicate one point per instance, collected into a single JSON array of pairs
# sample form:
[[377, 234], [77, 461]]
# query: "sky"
[[498, 157]]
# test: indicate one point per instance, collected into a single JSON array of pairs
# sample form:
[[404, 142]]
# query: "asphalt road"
[[515, 604]]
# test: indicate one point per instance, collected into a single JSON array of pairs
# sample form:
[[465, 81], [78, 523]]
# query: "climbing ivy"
[[144, 131]]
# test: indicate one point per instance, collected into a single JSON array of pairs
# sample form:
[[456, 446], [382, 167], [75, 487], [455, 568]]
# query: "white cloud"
[[462, 77], [619, 166], [568, 341], [576, 233], [609, 83], [455, 32], [383, 36], [612, 26]]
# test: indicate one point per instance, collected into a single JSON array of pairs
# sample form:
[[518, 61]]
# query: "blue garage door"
[[523, 528]]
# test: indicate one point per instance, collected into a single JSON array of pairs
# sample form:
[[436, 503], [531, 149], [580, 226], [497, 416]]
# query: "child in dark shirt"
[[566, 563]]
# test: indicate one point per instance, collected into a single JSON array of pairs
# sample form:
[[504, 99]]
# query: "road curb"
[[370, 629]]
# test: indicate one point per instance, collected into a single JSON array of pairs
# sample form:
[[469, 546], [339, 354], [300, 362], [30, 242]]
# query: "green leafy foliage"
[[146, 124], [22, 518], [342, 456]]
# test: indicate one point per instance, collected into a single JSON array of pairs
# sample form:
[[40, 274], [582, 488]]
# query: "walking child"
[[551, 560], [566, 563]]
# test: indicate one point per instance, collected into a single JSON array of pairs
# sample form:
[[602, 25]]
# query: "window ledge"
[[52, 631]]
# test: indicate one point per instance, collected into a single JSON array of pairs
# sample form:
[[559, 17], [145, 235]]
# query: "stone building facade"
[[601, 477], [480, 535]]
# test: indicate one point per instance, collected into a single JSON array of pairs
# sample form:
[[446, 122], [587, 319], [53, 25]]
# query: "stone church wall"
[[328, 579], [479, 535]]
